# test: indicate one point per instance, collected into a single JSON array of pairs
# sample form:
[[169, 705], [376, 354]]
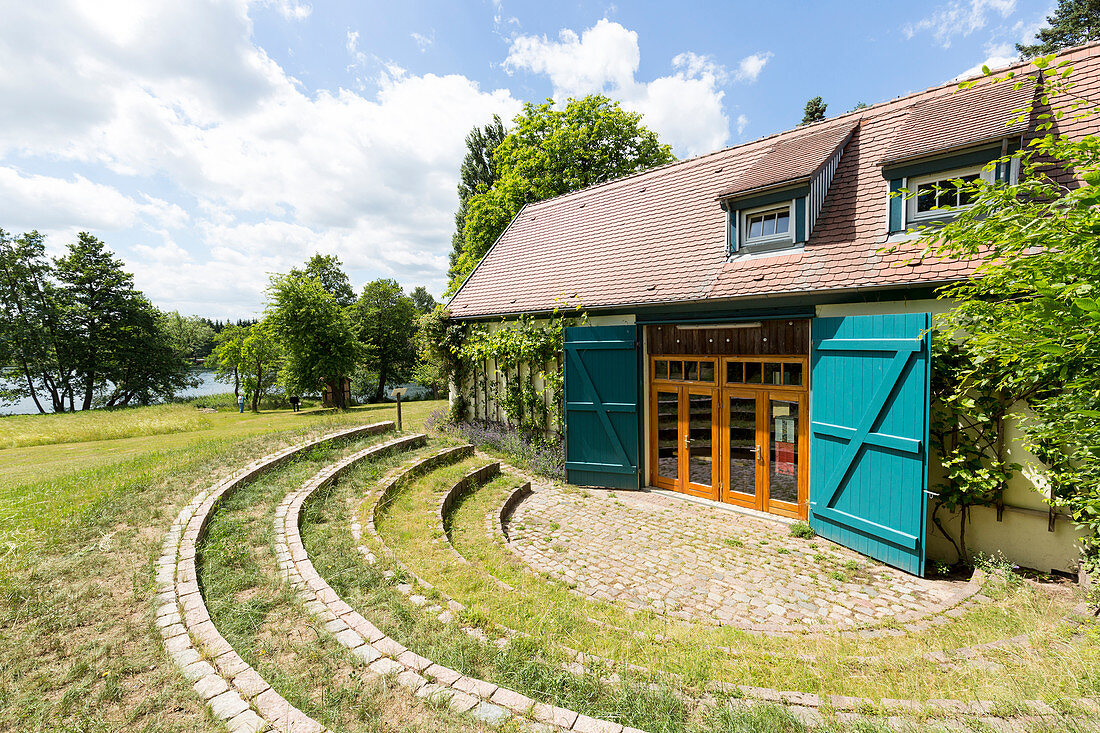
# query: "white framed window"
[[768, 224], [939, 196]]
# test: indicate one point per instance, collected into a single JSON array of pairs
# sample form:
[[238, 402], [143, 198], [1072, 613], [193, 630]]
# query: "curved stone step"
[[233, 690]]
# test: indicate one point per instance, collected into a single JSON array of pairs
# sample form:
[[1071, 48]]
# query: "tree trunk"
[[30, 386], [383, 374], [256, 392], [89, 389], [236, 384]]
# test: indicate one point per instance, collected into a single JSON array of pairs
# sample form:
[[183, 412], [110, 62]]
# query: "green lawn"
[[66, 463]]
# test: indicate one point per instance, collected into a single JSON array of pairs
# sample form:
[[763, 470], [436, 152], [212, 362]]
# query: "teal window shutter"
[[800, 219], [896, 202], [731, 237]]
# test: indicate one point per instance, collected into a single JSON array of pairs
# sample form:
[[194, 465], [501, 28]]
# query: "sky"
[[211, 143]]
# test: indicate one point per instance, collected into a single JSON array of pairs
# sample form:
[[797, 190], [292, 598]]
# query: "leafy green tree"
[[33, 333], [478, 173], [422, 299], [227, 358], [315, 333], [1073, 23], [386, 321], [814, 111], [1028, 322], [192, 335], [95, 294], [549, 152], [143, 362], [328, 269]]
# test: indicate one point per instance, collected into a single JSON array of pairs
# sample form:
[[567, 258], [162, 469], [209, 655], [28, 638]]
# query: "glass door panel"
[[742, 448], [700, 441], [784, 461], [668, 434]]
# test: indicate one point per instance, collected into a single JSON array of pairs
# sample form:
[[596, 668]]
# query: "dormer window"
[[768, 224], [940, 196]]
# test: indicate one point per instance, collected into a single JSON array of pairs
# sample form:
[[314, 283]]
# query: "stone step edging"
[[233, 690]]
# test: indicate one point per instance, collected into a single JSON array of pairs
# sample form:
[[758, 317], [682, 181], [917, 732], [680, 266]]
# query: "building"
[[749, 340]]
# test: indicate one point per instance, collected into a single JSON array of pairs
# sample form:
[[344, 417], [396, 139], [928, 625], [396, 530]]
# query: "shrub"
[[803, 531], [544, 456]]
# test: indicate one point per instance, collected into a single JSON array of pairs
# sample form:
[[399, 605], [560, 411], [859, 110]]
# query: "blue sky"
[[214, 142]]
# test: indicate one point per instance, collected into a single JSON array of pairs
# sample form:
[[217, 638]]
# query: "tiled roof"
[[659, 237], [792, 158], [968, 117]]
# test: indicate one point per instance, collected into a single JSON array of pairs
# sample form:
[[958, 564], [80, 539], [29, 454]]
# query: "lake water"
[[207, 385]]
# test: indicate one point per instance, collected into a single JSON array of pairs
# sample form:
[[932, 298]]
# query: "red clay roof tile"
[[667, 243]]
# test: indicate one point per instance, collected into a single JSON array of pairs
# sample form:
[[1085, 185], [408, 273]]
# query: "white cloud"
[[742, 123], [959, 18], [750, 67], [423, 42], [998, 56], [33, 201], [290, 9], [685, 108], [174, 106]]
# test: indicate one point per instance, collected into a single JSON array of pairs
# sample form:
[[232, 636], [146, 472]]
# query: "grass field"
[[87, 499], [80, 527]]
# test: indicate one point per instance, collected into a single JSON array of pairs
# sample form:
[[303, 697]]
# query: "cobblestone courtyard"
[[711, 565]]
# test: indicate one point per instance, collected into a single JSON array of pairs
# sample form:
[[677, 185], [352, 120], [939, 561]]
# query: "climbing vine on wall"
[[970, 401], [521, 350]]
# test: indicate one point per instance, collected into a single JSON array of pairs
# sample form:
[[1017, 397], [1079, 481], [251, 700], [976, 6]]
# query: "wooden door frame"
[[720, 390], [730, 496], [654, 476], [686, 486], [782, 508]]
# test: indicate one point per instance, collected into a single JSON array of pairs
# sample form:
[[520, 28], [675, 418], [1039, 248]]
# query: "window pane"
[[735, 372], [752, 372], [966, 196], [742, 449], [662, 368], [783, 479], [926, 196], [706, 371], [773, 374], [755, 224], [691, 370], [700, 449], [769, 225], [676, 370], [782, 222], [668, 434], [792, 374]]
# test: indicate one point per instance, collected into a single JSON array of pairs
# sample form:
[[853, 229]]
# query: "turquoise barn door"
[[869, 435], [602, 417]]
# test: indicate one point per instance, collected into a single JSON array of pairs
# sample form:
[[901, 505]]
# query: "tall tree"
[[193, 336], [422, 299], [477, 173], [552, 151], [329, 270], [814, 111], [386, 319], [1073, 23], [95, 292], [227, 358], [144, 362], [1028, 323], [32, 331], [316, 334]]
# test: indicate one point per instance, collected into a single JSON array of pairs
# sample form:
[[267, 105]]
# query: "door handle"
[[759, 454]]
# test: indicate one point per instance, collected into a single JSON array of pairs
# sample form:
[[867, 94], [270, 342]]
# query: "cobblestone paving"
[[710, 565]]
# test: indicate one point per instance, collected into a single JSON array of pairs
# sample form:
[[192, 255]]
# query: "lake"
[[207, 385]]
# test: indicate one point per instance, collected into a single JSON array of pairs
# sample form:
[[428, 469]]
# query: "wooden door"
[[742, 448], [699, 423], [782, 428]]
